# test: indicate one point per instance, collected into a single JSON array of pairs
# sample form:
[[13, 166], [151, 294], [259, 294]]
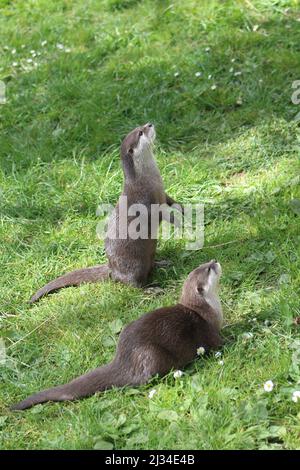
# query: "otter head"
[[202, 286], [136, 147]]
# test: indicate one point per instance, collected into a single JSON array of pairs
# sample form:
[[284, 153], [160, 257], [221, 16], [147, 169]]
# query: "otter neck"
[[213, 299], [146, 166], [213, 315]]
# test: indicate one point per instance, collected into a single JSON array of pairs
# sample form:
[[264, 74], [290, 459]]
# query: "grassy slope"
[[235, 147]]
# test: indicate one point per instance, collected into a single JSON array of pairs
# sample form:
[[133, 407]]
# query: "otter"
[[161, 340], [129, 260]]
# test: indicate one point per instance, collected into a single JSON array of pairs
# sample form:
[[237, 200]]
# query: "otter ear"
[[200, 289], [129, 164]]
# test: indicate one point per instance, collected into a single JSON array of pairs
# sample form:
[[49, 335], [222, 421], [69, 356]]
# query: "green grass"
[[235, 148]]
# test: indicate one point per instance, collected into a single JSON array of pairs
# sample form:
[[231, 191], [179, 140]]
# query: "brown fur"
[[129, 261], [161, 340]]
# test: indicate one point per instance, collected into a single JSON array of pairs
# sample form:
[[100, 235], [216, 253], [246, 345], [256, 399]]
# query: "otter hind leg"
[[151, 360], [137, 278]]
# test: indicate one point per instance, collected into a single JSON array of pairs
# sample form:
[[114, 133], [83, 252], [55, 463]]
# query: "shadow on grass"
[[94, 111]]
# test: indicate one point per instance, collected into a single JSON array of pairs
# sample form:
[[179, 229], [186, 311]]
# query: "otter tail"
[[97, 380], [74, 278]]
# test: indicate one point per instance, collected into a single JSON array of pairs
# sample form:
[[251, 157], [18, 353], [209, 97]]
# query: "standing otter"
[[158, 341], [129, 260]]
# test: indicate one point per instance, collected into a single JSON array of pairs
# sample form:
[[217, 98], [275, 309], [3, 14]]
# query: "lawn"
[[216, 79]]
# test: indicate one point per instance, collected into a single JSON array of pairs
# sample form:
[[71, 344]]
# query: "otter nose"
[[150, 124]]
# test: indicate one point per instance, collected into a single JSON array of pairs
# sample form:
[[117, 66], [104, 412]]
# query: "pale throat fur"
[[203, 285]]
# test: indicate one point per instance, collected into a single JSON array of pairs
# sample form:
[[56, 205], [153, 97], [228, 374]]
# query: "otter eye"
[[140, 133], [130, 151]]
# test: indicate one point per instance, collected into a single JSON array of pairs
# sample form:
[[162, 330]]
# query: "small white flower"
[[43, 43], [178, 374], [296, 396], [15, 64], [207, 49], [198, 74], [218, 354], [60, 46], [236, 74], [176, 74], [29, 61], [67, 49], [248, 335], [209, 77], [13, 51], [201, 351], [213, 87], [268, 386], [23, 46], [221, 363], [232, 60], [152, 393], [231, 69]]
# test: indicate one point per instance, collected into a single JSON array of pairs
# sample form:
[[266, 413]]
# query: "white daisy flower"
[[13, 51], [213, 87], [198, 74], [221, 363], [152, 393], [178, 374], [268, 386], [43, 43], [176, 74], [60, 46], [236, 74], [248, 335], [296, 396], [201, 351]]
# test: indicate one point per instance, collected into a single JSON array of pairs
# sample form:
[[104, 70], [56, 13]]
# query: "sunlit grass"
[[226, 138]]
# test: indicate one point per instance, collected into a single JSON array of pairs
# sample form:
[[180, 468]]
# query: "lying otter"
[[161, 340]]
